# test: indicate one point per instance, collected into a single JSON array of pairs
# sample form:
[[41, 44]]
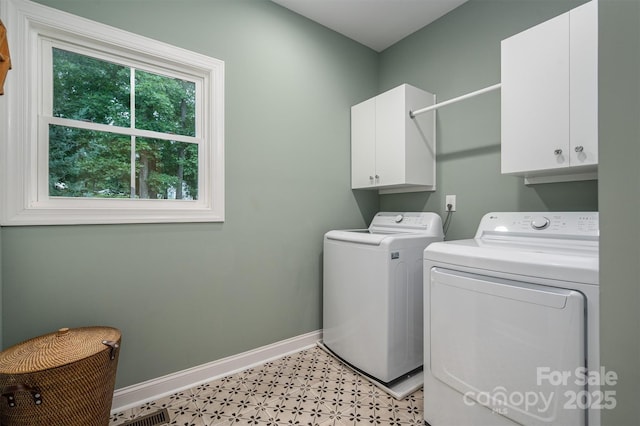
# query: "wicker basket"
[[63, 378]]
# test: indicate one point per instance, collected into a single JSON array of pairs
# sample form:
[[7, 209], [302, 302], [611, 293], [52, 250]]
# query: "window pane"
[[88, 89], [166, 170], [86, 163], [165, 104]]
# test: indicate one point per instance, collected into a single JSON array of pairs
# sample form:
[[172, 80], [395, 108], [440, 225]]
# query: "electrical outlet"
[[450, 199]]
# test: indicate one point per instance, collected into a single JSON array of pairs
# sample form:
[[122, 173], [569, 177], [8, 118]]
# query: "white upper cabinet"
[[390, 151], [549, 99]]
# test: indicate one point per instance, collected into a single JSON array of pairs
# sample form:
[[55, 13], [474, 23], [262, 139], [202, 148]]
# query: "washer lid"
[[387, 224], [551, 259], [359, 236]]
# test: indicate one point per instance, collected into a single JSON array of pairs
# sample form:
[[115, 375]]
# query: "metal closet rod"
[[413, 114]]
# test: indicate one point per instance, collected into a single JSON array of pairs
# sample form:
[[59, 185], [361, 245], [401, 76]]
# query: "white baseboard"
[[136, 395]]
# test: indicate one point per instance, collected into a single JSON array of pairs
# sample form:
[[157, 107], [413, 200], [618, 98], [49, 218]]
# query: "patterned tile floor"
[[306, 388]]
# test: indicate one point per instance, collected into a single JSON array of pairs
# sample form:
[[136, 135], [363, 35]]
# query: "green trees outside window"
[[99, 163]]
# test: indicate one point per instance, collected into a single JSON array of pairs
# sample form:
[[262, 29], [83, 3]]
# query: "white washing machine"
[[372, 293], [511, 323]]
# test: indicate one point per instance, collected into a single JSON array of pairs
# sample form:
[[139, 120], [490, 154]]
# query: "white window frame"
[[24, 121]]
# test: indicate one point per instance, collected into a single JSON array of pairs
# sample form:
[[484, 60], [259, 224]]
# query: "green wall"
[[455, 55], [187, 294], [619, 186]]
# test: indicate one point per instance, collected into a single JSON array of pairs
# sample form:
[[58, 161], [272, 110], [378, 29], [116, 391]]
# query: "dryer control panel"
[[573, 225]]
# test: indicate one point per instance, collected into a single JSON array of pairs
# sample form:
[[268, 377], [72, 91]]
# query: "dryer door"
[[511, 346]]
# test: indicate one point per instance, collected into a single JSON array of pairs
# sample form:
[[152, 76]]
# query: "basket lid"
[[56, 349]]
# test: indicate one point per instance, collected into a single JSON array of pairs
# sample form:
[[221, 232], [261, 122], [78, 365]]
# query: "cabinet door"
[[390, 137], [535, 98], [363, 140], [584, 84]]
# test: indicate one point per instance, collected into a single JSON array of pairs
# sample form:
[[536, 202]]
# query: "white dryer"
[[372, 293], [511, 323]]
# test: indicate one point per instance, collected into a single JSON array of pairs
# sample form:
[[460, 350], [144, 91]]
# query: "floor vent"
[[158, 418]]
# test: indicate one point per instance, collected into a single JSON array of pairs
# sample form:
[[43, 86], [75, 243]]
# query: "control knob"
[[399, 218], [540, 222]]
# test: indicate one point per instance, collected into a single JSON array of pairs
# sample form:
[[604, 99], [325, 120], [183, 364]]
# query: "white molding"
[[138, 394]]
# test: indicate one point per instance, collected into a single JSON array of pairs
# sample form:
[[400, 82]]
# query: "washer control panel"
[[413, 222], [583, 224]]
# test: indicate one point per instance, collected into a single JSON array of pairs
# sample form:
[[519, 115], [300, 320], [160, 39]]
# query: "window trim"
[[21, 109]]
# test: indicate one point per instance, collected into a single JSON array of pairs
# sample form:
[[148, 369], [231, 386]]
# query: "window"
[[108, 126], [118, 132]]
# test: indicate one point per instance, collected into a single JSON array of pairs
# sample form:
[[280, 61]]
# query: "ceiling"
[[375, 23]]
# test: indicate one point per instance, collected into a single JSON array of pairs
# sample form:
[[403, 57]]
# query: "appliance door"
[[516, 348]]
